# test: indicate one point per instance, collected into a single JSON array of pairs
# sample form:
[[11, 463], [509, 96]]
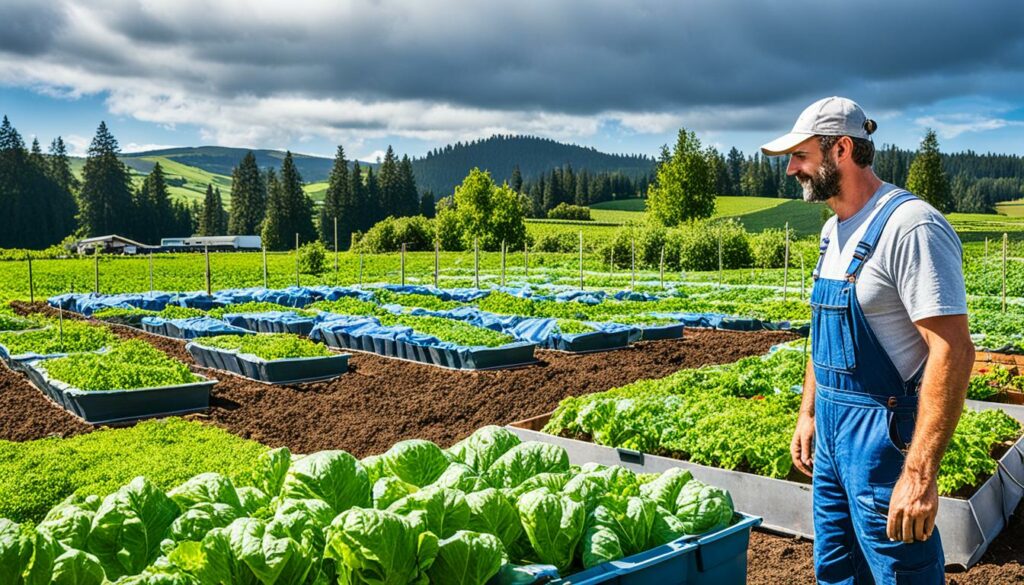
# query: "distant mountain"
[[439, 171], [221, 160], [444, 168]]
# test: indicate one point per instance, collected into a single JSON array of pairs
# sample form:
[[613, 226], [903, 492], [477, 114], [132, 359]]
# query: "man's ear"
[[844, 148]]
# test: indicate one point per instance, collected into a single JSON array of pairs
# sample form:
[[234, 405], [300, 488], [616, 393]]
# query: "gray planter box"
[[967, 527], [593, 341], [118, 406], [283, 371]]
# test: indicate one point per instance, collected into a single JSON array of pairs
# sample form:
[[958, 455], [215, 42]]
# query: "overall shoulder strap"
[[823, 247], [867, 244]]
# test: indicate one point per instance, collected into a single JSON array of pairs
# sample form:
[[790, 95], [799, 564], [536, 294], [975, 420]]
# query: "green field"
[[1011, 208]]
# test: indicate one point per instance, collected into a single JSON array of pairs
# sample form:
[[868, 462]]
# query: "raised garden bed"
[[190, 328], [238, 359], [967, 526]]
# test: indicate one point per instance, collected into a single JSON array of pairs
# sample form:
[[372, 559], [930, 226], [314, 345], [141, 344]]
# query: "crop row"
[[414, 514], [742, 416]]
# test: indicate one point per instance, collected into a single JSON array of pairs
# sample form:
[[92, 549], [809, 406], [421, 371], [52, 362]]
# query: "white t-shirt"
[[915, 272]]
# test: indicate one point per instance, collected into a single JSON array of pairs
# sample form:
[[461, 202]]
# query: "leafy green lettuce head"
[[443, 511], [526, 460], [703, 508], [128, 527], [416, 461], [618, 527], [484, 447], [332, 476], [490, 511], [376, 546], [553, 524], [466, 558]]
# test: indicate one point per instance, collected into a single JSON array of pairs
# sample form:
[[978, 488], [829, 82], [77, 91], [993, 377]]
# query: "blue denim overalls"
[[864, 419]]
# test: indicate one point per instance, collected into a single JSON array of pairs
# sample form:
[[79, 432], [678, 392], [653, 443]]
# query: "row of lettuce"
[[414, 514], [994, 326], [97, 359], [742, 416]]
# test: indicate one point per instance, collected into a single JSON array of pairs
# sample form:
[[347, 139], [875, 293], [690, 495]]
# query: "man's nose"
[[791, 167]]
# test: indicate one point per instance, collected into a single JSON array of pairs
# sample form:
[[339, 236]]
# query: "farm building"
[[112, 244], [213, 243]]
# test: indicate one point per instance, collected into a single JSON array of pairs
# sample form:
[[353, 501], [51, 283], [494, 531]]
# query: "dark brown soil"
[[28, 414], [780, 560], [381, 401]]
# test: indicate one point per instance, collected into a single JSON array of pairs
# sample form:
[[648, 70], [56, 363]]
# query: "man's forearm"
[[807, 402], [943, 389]]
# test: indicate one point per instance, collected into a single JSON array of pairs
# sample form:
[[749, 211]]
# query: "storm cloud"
[[245, 71]]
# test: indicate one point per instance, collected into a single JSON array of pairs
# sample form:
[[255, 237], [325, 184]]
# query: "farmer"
[[890, 357]]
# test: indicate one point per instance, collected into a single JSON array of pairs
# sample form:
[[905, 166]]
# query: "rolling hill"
[[190, 169]]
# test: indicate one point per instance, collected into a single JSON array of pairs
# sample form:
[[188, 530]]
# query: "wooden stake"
[[335, 250], [785, 269], [360, 268], [403, 264], [264, 248], [719, 260], [150, 274], [503, 263], [31, 283], [632, 263], [296, 259], [476, 262], [1005, 240], [661, 267], [437, 260], [206, 252], [96, 271], [526, 260]]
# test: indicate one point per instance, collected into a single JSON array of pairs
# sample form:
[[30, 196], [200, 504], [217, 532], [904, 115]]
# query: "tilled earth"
[[382, 401]]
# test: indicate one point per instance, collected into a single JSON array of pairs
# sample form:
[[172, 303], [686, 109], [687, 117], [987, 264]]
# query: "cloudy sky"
[[619, 76]]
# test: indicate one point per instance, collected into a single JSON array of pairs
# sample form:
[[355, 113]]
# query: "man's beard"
[[824, 186]]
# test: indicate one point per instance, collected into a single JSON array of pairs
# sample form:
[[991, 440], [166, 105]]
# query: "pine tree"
[[372, 197], [273, 227], [160, 218], [210, 216], [734, 162], [60, 166], [358, 194], [248, 197], [409, 194], [927, 179], [428, 205], [338, 204], [389, 183], [15, 219], [517, 180], [106, 197], [293, 213]]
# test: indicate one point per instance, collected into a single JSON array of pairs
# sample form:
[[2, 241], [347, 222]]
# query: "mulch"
[[381, 401]]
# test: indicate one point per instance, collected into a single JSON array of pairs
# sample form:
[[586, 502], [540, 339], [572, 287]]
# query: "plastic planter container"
[[118, 406], [661, 332], [591, 341], [717, 558], [282, 371], [967, 527]]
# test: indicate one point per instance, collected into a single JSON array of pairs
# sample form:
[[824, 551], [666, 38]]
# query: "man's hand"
[[802, 447], [912, 509]]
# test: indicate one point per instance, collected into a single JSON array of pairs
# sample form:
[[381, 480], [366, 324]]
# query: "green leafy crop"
[[272, 346], [128, 365], [72, 336]]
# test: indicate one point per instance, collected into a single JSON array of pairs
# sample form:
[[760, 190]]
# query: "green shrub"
[[312, 258], [448, 226], [36, 475], [388, 235], [570, 212], [563, 242], [699, 245], [769, 248]]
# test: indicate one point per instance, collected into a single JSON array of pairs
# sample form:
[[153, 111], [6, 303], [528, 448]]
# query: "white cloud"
[[952, 125]]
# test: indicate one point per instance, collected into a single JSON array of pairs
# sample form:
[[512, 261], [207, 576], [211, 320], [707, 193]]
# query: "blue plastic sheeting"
[[333, 293], [462, 295], [630, 295], [367, 334], [579, 296], [89, 303], [190, 328], [272, 322]]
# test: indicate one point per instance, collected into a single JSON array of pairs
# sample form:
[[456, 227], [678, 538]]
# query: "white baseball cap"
[[832, 116]]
